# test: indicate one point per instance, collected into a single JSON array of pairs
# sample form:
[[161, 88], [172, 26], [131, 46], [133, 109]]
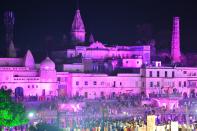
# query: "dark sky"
[[111, 21]]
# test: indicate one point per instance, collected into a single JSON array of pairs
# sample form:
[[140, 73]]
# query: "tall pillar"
[[175, 43]]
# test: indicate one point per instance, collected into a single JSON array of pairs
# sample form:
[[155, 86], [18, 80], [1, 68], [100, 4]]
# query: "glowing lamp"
[[31, 115]]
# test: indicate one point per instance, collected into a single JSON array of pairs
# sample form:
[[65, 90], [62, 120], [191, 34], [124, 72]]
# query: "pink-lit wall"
[[132, 63], [11, 62], [98, 51], [97, 84]]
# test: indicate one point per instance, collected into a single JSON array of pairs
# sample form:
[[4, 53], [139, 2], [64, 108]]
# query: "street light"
[[31, 115]]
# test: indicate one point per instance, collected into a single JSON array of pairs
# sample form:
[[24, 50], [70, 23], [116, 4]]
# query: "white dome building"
[[47, 64], [47, 70]]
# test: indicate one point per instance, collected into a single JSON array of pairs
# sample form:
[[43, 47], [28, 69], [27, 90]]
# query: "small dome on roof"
[[47, 64]]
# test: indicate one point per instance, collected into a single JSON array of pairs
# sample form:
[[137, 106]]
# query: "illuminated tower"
[[78, 29], [11, 50], [9, 27], [175, 43], [29, 60]]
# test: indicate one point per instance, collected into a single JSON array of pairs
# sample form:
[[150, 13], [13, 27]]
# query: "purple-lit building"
[[25, 79], [95, 70]]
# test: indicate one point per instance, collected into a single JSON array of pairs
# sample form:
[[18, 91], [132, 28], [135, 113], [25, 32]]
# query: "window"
[[102, 94], [114, 85], [185, 84], [179, 83], [77, 93], [86, 83], [172, 74], [192, 84], [113, 94], [158, 84], [77, 83], [102, 83], [184, 72], [151, 84], [120, 83], [166, 74], [86, 94], [150, 73], [143, 84], [94, 83], [158, 74], [58, 79]]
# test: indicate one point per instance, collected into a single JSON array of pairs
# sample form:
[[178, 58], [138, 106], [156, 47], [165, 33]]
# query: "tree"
[[12, 113]]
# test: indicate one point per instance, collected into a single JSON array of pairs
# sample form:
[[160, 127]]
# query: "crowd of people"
[[119, 113]]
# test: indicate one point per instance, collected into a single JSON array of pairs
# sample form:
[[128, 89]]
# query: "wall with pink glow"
[[48, 76], [35, 82], [75, 67], [31, 81], [98, 51], [11, 62], [132, 63], [184, 80], [64, 80], [33, 88], [96, 85]]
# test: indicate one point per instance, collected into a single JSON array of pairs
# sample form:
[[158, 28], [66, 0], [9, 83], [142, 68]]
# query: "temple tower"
[[29, 60], [11, 50], [9, 20], [175, 43], [78, 29]]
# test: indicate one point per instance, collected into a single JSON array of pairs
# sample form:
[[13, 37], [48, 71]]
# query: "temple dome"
[[47, 64]]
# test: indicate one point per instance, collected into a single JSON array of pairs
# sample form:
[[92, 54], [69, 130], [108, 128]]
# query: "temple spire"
[[78, 29], [11, 50], [175, 44], [91, 38], [29, 60]]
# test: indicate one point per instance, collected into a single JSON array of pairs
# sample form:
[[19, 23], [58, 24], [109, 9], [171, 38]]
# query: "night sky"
[[111, 21]]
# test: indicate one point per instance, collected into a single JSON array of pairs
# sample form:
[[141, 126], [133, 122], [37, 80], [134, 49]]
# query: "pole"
[[187, 116], [58, 118], [102, 126]]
